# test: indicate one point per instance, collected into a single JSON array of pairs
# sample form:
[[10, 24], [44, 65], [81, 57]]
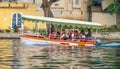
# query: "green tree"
[[114, 8], [46, 4]]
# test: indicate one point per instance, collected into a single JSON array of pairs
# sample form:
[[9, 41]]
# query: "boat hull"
[[39, 40]]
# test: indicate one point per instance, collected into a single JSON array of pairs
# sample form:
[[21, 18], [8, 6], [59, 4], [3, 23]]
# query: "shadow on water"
[[15, 55]]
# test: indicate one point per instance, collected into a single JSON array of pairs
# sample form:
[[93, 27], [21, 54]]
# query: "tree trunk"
[[33, 1], [48, 13], [118, 20], [118, 16], [89, 13]]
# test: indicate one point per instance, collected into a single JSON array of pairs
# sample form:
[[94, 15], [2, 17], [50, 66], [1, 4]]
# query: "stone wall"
[[9, 35], [109, 35]]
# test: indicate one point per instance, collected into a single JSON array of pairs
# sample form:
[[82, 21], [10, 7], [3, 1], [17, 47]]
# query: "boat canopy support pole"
[[96, 33], [22, 30], [61, 29], [37, 29], [73, 33]]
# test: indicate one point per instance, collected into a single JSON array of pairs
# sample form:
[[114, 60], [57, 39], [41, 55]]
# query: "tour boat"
[[41, 39]]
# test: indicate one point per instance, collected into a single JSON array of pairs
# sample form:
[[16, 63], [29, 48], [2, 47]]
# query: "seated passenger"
[[63, 35], [71, 34], [76, 35], [58, 35], [82, 35], [52, 35], [89, 35], [67, 36]]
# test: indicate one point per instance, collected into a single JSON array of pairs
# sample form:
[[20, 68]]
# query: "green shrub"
[[112, 28], [8, 30], [42, 32]]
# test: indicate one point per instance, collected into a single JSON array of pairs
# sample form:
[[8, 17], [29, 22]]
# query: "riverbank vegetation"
[[6, 31], [112, 28]]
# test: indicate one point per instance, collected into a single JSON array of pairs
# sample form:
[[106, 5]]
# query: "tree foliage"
[[113, 8]]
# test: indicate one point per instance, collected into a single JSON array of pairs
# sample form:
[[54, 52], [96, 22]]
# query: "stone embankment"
[[9, 35], [109, 35]]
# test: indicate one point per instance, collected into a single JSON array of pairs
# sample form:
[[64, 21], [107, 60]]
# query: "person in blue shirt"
[[89, 34]]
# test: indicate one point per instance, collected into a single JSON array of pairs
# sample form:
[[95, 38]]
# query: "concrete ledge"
[[9, 35], [109, 35]]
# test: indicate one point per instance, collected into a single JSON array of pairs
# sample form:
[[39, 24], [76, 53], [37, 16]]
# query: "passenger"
[[58, 35], [63, 35], [76, 35], [67, 36], [70, 35], [52, 35], [73, 35], [89, 35], [82, 35]]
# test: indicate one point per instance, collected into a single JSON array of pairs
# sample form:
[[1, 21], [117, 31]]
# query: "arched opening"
[[16, 20]]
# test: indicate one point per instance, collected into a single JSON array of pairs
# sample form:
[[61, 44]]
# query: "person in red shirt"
[[52, 35]]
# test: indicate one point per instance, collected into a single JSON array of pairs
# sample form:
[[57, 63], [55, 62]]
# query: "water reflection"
[[5, 53], [15, 55]]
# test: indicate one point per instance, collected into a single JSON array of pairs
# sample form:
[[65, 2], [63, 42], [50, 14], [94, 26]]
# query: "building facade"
[[106, 19], [11, 15], [69, 9]]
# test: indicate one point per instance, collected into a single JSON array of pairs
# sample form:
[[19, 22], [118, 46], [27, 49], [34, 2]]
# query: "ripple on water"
[[15, 55]]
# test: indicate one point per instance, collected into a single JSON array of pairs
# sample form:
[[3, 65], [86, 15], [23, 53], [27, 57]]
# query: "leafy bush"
[[33, 30], [42, 32], [8, 30], [112, 28]]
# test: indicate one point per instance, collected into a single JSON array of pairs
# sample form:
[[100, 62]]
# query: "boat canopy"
[[60, 21]]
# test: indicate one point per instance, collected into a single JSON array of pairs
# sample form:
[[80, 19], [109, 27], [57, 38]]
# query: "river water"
[[14, 54]]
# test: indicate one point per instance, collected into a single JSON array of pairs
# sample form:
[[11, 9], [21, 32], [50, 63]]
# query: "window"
[[61, 12], [81, 12], [56, 4], [70, 12], [77, 2], [5, 0], [17, 20], [97, 2]]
